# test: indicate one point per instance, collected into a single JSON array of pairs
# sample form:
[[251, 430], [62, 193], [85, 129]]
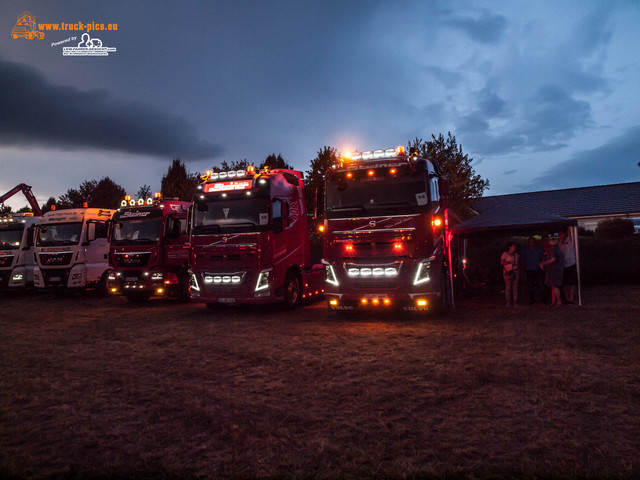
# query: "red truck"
[[149, 253], [385, 232], [249, 240]]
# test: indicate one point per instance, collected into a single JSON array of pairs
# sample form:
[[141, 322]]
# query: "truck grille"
[[132, 259], [6, 260], [55, 277], [376, 284], [58, 258]]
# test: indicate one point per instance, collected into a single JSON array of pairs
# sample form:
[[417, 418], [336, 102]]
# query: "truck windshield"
[[236, 212], [141, 227], [55, 234], [10, 237], [375, 195]]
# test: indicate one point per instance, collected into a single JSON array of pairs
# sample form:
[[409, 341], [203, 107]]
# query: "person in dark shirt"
[[534, 276]]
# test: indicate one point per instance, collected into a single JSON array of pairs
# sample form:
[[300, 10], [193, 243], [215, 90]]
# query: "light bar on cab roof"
[[374, 154], [130, 202]]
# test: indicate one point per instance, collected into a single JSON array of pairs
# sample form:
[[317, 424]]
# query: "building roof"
[[513, 221], [621, 198]]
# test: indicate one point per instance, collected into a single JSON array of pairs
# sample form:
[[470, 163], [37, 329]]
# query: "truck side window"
[[280, 210], [30, 236], [101, 229]]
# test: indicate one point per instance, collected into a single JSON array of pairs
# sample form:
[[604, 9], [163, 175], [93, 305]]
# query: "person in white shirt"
[[570, 276]]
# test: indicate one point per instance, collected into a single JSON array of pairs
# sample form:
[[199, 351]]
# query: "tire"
[[183, 288], [103, 289], [292, 291], [138, 297]]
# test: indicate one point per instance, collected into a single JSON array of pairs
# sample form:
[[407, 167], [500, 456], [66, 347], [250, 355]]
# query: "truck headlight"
[[423, 273], [330, 274], [157, 276], [193, 283], [17, 277], [263, 280]]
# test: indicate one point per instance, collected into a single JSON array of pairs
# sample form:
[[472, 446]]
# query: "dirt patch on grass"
[[98, 387]]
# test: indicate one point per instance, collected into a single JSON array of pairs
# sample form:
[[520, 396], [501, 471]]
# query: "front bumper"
[[237, 287], [155, 282]]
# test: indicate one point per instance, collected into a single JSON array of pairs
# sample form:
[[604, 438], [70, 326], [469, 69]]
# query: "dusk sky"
[[542, 95]]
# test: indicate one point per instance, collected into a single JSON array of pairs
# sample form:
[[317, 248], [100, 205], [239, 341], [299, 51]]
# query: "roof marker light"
[[378, 153], [400, 150]]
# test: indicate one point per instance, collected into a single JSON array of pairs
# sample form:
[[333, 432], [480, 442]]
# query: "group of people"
[[550, 270]]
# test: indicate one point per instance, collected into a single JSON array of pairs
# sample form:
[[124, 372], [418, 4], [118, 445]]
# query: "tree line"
[[464, 184]]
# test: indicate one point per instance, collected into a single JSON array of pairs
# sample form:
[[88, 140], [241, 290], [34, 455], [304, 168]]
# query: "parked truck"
[[149, 252], [249, 240], [385, 230], [72, 249], [17, 261], [16, 250]]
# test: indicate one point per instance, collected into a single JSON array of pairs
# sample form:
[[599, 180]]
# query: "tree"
[[235, 165], [273, 161], [464, 184], [98, 194], [177, 183], [5, 209], [614, 228], [314, 178], [144, 191]]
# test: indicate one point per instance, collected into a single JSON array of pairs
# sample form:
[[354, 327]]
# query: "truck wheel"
[[292, 290], [183, 288], [138, 297], [102, 288]]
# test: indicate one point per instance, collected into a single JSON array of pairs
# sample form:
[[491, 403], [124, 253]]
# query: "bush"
[[615, 228], [610, 261]]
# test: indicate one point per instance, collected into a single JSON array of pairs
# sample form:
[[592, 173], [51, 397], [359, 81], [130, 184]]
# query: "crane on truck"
[[386, 235], [26, 190]]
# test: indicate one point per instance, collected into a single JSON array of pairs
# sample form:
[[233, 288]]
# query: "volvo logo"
[[224, 239]]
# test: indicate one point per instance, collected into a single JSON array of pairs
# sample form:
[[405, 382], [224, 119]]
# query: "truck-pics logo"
[[26, 27]]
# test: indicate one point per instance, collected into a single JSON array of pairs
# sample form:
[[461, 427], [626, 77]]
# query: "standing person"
[[570, 276], [554, 268], [509, 261], [533, 275]]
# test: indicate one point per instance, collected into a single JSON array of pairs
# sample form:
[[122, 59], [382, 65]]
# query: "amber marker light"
[[437, 222], [393, 171], [386, 301], [364, 301], [375, 301], [321, 228], [397, 246], [349, 174], [371, 173], [333, 302], [421, 303], [348, 247]]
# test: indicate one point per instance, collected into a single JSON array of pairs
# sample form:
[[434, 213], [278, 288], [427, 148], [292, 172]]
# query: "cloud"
[[485, 29], [609, 163], [33, 112]]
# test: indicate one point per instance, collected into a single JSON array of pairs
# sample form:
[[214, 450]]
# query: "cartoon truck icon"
[[26, 27]]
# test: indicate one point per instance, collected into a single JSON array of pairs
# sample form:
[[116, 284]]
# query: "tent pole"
[[576, 246], [447, 243]]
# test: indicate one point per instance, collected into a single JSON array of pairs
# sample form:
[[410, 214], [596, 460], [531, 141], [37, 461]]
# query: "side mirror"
[[91, 232]]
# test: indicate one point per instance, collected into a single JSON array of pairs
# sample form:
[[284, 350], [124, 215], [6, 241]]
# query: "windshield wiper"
[[351, 207]]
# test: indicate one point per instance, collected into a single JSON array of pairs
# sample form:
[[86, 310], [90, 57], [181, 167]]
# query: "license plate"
[[131, 279], [54, 279], [374, 295], [226, 300]]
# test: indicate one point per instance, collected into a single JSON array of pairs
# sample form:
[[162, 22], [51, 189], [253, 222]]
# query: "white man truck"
[[16, 250], [72, 250]]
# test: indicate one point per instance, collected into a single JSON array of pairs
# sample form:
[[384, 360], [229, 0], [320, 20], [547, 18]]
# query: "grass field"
[[93, 387]]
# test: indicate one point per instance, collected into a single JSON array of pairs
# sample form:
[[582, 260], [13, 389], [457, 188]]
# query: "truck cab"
[[72, 249], [384, 232], [149, 251], [16, 250], [249, 240]]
